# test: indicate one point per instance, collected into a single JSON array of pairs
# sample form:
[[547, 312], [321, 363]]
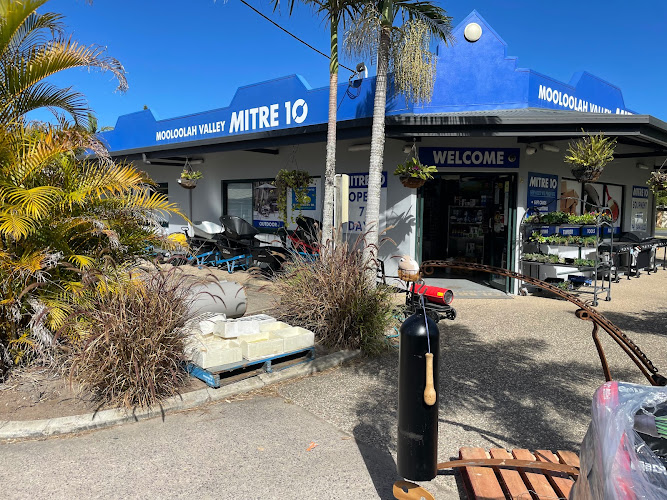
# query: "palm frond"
[[35, 202], [433, 16], [16, 225]]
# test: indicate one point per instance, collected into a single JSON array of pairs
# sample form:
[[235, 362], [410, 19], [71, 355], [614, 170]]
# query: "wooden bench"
[[501, 475]]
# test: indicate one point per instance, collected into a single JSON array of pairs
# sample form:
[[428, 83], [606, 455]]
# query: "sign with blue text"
[[639, 217], [470, 157], [542, 192], [358, 199]]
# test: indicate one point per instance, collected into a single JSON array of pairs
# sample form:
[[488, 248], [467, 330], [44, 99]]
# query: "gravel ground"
[[513, 373]]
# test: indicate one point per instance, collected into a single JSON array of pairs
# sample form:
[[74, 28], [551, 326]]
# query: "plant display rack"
[[577, 255]]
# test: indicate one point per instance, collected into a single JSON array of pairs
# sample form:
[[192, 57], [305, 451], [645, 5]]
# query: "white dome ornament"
[[408, 269], [472, 32]]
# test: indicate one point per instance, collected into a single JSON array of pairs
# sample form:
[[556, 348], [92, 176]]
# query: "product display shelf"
[[598, 283], [466, 235]]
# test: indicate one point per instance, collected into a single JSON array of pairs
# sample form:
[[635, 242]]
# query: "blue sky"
[[183, 57]]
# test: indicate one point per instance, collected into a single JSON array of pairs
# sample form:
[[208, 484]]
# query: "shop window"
[[237, 198]]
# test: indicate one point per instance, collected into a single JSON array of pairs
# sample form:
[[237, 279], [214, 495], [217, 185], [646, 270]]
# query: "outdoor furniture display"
[[207, 248], [238, 238], [305, 239], [635, 251]]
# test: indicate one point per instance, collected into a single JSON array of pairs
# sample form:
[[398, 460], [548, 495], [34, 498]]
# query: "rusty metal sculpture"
[[585, 312]]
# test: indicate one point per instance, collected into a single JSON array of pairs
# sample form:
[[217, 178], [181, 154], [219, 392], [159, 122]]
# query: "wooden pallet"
[[225, 374], [517, 483]]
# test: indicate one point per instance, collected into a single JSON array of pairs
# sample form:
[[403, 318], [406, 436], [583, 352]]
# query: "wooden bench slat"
[[512, 479], [569, 458], [560, 482], [535, 481], [483, 482]]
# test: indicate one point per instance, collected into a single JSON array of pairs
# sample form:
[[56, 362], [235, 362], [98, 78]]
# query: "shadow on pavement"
[[529, 401], [379, 462], [652, 322]]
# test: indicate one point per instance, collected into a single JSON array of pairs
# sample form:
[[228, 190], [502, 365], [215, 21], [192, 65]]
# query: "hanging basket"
[[586, 174], [411, 182], [187, 183], [658, 181]]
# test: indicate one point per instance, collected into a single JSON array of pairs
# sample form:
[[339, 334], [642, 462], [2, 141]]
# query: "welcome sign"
[[470, 157]]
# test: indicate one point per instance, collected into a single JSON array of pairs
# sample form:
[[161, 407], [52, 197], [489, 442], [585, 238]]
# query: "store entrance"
[[470, 218]]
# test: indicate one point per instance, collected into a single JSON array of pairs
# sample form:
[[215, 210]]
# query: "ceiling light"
[[359, 147], [550, 147], [642, 166], [531, 150]]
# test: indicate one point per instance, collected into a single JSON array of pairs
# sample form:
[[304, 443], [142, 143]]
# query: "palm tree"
[[61, 217], [33, 47], [414, 77], [335, 12]]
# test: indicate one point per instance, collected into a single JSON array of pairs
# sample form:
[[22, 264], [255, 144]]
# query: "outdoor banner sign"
[[358, 199], [639, 218], [542, 192], [266, 214], [470, 157]]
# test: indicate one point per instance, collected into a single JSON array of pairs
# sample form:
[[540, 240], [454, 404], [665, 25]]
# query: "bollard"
[[417, 399]]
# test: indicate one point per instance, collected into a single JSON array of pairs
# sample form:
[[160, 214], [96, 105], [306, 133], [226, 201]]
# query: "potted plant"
[[298, 181], [589, 155], [658, 181], [413, 174], [189, 178]]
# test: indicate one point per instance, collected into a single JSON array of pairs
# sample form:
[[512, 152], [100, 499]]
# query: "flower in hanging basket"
[[413, 173], [589, 155], [658, 181], [189, 178], [192, 175]]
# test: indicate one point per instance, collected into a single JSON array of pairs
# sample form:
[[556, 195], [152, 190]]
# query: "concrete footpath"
[[516, 373]]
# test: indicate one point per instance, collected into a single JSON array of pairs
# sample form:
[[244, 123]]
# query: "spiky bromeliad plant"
[[60, 216], [589, 155]]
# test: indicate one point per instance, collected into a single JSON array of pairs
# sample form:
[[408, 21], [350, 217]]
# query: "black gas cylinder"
[[417, 421]]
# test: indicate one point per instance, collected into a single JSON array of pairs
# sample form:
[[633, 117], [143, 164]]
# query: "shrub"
[[333, 298], [132, 341]]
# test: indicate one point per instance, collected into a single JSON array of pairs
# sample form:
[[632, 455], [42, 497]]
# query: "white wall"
[[400, 213]]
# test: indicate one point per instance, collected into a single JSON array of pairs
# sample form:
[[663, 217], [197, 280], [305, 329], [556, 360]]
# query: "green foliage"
[[192, 175], [551, 258], [591, 152], [132, 341], [296, 180], [658, 184], [33, 46], [584, 262], [60, 217], [414, 168], [333, 298], [557, 239], [557, 218]]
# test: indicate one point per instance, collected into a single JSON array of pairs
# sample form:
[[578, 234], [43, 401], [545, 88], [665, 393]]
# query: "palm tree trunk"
[[377, 156], [330, 169]]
